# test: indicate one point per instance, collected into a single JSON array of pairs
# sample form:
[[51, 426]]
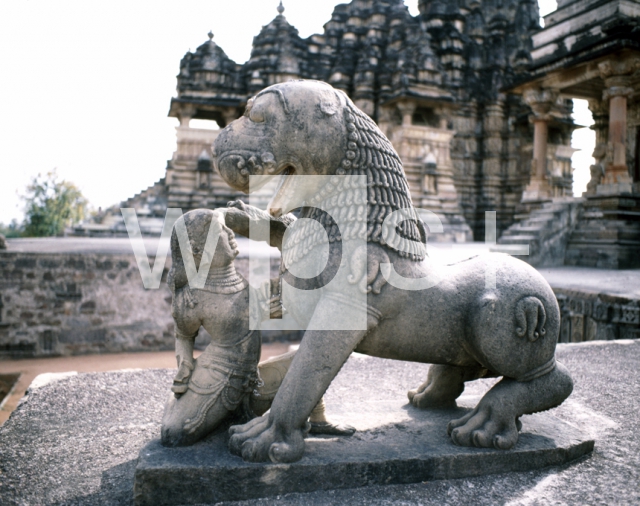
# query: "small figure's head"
[[198, 224]]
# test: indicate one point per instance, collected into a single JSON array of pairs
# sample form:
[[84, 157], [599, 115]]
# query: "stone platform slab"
[[395, 443], [76, 440]]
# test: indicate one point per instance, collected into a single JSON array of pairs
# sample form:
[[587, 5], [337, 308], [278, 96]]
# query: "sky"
[[86, 85]]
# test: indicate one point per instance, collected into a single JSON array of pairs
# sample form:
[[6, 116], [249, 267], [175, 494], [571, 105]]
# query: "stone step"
[[524, 228], [540, 219], [554, 207], [518, 239], [545, 212]]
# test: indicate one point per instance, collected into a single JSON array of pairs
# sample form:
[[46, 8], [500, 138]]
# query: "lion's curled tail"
[[530, 318]]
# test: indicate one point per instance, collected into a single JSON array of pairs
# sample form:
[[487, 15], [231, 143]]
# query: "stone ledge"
[[395, 444], [76, 441]]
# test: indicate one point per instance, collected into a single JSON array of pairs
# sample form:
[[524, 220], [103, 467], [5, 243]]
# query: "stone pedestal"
[[395, 443], [76, 440], [608, 233]]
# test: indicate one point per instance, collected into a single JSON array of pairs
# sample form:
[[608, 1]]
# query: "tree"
[[51, 205], [13, 230]]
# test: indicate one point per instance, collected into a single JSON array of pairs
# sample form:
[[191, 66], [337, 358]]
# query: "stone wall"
[[67, 304], [589, 317], [80, 303]]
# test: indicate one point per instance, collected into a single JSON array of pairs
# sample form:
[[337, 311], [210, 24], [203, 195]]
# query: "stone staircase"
[[546, 231], [608, 235]]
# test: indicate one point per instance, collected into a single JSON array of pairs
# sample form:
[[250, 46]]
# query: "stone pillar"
[[185, 114], [540, 137], [616, 76], [229, 114], [617, 130], [493, 128], [406, 109], [541, 102]]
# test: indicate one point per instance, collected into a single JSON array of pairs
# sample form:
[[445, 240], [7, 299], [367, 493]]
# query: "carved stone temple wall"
[[590, 49], [434, 83]]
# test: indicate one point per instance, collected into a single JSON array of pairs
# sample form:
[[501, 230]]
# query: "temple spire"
[[280, 8]]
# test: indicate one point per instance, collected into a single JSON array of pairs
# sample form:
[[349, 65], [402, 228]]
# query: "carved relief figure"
[[603, 157], [467, 329]]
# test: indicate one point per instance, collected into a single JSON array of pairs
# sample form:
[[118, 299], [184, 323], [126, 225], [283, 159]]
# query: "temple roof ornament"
[[376, 51]]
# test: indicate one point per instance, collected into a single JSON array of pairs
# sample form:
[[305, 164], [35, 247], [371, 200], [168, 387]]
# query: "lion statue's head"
[[310, 128]]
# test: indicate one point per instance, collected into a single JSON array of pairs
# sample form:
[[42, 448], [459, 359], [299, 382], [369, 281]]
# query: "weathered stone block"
[[395, 443], [591, 329], [75, 263], [83, 335], [88, 307], [49, 263], [104, 265], [25, 263]]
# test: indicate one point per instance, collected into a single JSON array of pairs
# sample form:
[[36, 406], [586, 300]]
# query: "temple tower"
[[434, 83]]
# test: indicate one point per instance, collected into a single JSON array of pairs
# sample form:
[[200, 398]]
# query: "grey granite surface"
[[76, 440], [395, 443]]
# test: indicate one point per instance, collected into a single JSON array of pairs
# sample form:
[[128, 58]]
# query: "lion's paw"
[[485, 427], [332, 429], [443, 386], [424, 398], [260, 441], [434, 394]]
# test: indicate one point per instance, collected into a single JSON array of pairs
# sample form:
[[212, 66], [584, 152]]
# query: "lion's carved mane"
[[369, 153]]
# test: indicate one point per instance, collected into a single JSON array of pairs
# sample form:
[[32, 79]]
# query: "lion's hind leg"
[[494, 422], [444, 384]]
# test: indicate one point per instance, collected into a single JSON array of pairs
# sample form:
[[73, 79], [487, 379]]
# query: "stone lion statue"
[[468, 328]]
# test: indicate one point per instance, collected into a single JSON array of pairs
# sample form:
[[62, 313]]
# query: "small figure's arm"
[[239, 216], [184, 358]]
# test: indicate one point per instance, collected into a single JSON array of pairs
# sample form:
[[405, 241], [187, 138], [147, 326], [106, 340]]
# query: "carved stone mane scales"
[[369, 153]]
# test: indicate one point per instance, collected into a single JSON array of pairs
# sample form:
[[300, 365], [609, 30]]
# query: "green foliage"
[[12, 230], [51, 205]]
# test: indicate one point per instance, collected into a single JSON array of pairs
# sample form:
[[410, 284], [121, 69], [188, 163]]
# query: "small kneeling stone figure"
[[226, 377], [210, 388]]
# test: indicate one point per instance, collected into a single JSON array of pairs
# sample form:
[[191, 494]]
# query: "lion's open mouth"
[[284, 198]]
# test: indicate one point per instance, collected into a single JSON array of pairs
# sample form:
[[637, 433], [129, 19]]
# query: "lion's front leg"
[[279, 435]]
